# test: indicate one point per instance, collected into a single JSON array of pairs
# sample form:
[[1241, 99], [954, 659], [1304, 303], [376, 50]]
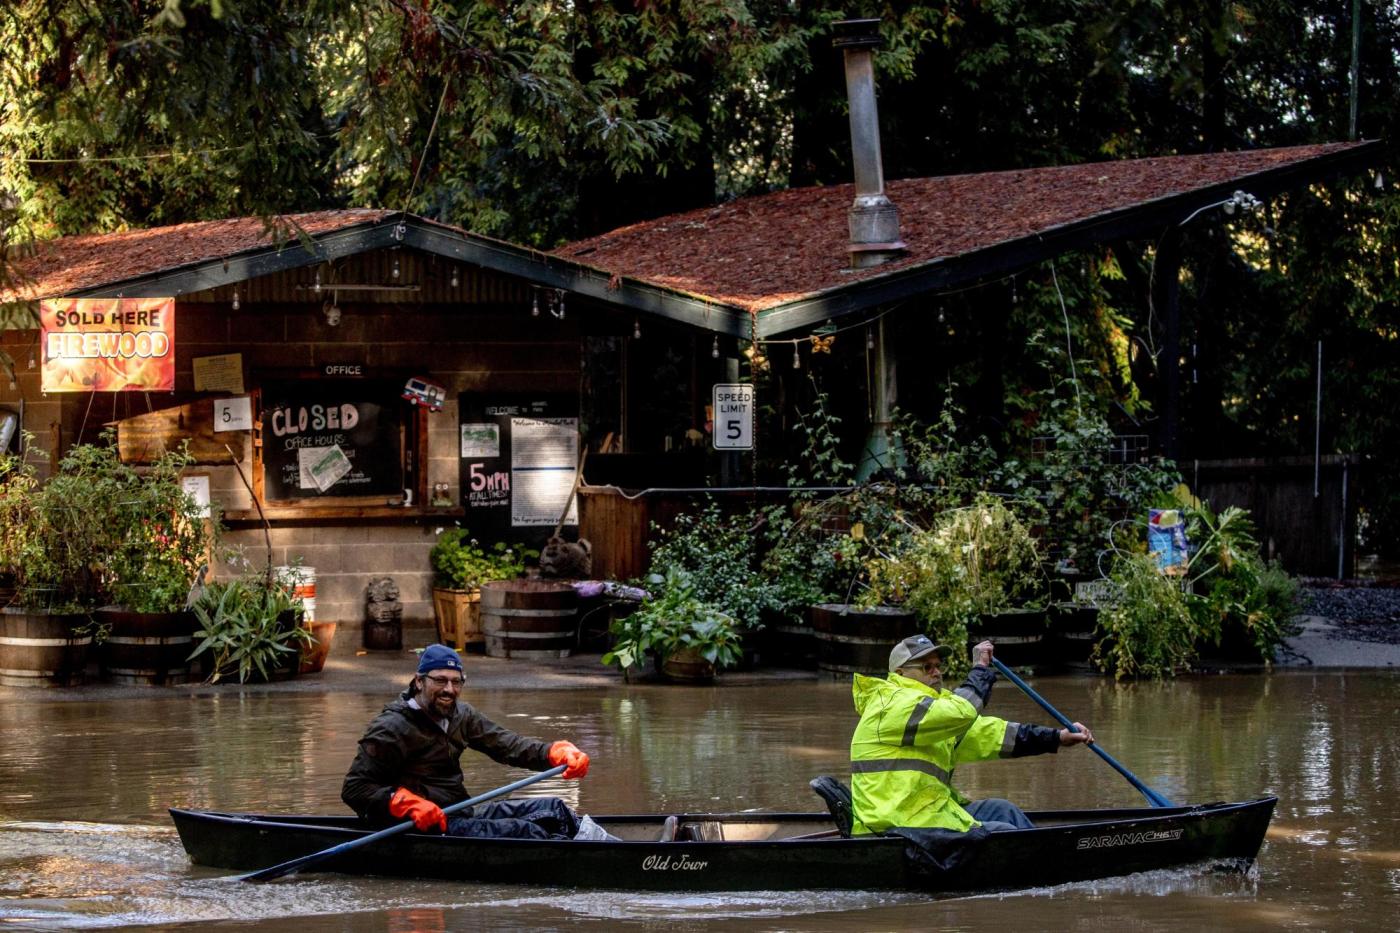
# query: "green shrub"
[[461, 563], [1149, 630], [674, 618]]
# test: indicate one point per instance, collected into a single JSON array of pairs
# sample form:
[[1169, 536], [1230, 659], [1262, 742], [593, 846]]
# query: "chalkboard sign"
[[519, 455], [327, 439]]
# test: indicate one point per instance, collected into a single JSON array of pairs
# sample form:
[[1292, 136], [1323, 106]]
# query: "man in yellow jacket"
[[913, 733]]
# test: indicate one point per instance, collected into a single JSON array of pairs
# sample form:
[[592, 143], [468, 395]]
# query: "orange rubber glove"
[[567, 753], [424, 813]]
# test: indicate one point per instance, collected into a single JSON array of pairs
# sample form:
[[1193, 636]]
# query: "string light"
[[535, 305], [796, 360], [395, 270], [317, 287], [714, 349], [941, 318], [454, 276], [869, 338], [236, 303], [559, 296], [636, 329]]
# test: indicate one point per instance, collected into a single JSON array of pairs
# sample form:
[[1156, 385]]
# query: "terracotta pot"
[[313, 656]]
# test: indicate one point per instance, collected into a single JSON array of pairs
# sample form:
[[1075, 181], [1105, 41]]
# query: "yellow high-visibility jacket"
[[909, 740]]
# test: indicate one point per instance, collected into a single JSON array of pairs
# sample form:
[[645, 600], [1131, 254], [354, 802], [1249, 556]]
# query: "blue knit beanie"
[[439, 658]]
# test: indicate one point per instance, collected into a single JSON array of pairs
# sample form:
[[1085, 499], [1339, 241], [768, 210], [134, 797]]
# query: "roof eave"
[[449, 242]]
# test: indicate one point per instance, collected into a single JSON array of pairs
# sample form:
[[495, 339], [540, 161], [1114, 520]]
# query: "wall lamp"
[[1241, 201]]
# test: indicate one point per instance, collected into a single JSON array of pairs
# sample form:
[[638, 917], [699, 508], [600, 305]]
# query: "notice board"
[[519, 456], [305, 421]]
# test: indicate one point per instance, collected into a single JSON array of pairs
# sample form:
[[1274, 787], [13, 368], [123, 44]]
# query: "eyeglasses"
[[444, 681]]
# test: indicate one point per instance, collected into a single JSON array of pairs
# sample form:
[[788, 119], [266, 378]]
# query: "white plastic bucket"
[[302, 581]]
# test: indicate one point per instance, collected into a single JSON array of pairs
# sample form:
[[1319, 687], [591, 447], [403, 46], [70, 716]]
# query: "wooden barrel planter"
[[686, 666], [1021, 636], [39, 649], [1073, 631], [150, 648], [530, 619], [851, 640]]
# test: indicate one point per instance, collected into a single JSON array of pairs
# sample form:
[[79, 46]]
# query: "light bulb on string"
[[636, 329], [535, 305], [714, 349], [317, 286], [941, 317], [394, 272], [869, 339], [796, 360], [236, 303], [454, 277]]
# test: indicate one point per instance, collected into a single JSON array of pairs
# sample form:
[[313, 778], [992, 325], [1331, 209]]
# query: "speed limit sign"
[[733, 416]]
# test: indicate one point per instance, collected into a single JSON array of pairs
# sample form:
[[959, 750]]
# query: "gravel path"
[[1360, 611]]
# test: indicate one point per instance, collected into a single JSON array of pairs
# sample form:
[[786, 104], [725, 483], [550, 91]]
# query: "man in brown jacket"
[[408, 763]]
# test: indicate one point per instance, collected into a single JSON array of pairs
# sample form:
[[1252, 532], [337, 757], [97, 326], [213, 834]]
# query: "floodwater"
[[85, 841]]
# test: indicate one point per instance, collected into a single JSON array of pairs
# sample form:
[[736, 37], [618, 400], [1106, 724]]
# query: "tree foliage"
[[539, 121]]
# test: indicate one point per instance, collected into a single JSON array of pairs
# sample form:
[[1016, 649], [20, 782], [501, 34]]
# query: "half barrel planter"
[[42, 649], [529, 619], [686, 666], [148, 648], [854, 640], [1021, 636]]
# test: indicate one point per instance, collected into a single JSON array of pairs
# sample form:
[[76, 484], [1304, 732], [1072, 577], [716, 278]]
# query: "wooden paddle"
[[1154, 798], [297, 864]]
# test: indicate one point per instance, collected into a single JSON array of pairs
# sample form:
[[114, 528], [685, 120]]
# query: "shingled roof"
[[772, 251], [71, 265], [769, 264]]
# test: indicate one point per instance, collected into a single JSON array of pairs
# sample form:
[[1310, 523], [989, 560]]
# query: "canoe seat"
[[838, 801], [668, 829]]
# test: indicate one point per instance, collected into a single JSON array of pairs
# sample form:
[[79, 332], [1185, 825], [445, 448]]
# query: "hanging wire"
[[1069, 344]]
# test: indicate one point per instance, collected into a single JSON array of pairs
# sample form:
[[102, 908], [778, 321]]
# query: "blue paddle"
[[1154, 798], [297, 864]]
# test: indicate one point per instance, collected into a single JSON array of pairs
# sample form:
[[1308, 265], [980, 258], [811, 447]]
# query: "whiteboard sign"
[[733, 416], [196, 486], [233, 414]]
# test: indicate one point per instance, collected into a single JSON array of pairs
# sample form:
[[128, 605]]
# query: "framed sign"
[[519, 456], [333, 439], [107, 344]]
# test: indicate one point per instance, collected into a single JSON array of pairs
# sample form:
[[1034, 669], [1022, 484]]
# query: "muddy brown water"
[[85, 841]]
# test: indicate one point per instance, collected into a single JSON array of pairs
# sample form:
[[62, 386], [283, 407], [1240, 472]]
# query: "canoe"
[[752, 851]]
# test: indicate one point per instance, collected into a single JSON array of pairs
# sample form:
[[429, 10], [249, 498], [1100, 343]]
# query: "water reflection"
[[1323, 743]]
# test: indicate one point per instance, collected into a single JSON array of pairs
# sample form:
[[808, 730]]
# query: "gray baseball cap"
[[915, 647]]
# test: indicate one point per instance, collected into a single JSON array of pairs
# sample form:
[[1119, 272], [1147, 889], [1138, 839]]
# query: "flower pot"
[[851, 640], [148, 648], [686, 666], [41, 649], [458, 614], [313, 656], [1021, 636], [532, 619]]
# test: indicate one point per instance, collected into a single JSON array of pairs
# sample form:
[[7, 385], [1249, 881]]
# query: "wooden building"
[[609, 346]]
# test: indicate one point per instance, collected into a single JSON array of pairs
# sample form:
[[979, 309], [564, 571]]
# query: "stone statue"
[[383, 615]]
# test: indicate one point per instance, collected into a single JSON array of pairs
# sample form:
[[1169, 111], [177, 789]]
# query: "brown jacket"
[[405, 747]]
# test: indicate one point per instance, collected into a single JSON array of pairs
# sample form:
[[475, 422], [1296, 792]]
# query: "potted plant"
[[250, 627], [968, 575], [58, 539], [460, 566], [161, 548], [718, 555], [689, 639]]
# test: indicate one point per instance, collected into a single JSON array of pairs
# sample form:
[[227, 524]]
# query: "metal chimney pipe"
[[874, 220]]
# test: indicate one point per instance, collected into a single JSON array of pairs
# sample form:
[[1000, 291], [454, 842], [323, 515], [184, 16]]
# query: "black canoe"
[[752, 851]]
